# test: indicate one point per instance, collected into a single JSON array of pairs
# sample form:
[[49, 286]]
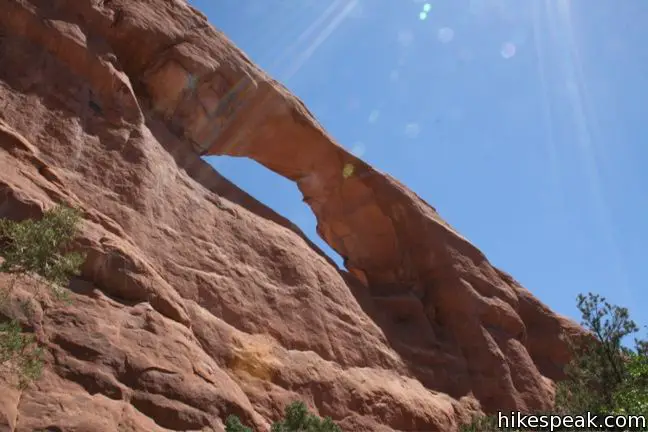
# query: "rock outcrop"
[[196, 301]]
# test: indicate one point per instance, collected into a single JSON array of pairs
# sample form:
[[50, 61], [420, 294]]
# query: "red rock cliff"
[[197, 301]]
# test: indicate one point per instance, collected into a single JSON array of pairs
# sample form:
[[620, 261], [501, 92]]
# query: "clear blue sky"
[[522, 122]]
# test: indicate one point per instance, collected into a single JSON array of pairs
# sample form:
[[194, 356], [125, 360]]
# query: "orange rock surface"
[[196, 301]]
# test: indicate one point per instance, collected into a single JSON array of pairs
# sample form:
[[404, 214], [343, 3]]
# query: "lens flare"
[[412, 130], [405, 37], [445, 34], [508, 50], [359, 149]]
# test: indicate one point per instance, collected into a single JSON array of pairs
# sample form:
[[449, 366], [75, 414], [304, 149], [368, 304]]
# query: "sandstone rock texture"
[[196, 301]]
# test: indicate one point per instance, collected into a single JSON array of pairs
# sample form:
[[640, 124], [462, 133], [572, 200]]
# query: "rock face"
[[196, 301]]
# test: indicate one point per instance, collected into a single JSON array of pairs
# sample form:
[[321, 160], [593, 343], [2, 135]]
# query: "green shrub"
[[233, 424], [631, 397], [604, 376], [297, 418], [38, 247], [20, 353], [35, 247]]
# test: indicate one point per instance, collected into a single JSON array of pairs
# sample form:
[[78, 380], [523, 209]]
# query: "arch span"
[[366, 216]]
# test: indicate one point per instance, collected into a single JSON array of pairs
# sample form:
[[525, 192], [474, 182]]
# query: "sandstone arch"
[[463, 327], [390, 238]]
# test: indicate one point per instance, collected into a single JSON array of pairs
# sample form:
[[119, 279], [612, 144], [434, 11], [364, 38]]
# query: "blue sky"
[[520, 121]]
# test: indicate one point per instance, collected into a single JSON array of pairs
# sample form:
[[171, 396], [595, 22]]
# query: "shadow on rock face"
[[427, 348]]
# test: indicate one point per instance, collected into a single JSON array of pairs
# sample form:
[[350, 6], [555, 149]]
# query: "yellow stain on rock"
[[255, 357], [348, 170]]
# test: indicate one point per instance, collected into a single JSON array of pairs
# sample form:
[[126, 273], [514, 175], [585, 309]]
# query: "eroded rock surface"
[[197, 301]]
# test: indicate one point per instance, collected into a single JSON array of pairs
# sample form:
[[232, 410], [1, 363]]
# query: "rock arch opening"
[[275, 191]]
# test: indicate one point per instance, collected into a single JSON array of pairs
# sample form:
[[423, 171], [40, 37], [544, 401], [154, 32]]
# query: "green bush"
[[39, 247], [631, 397], [604, 376], [233, 424], [297, 418], [35, 247], [20, 353]]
